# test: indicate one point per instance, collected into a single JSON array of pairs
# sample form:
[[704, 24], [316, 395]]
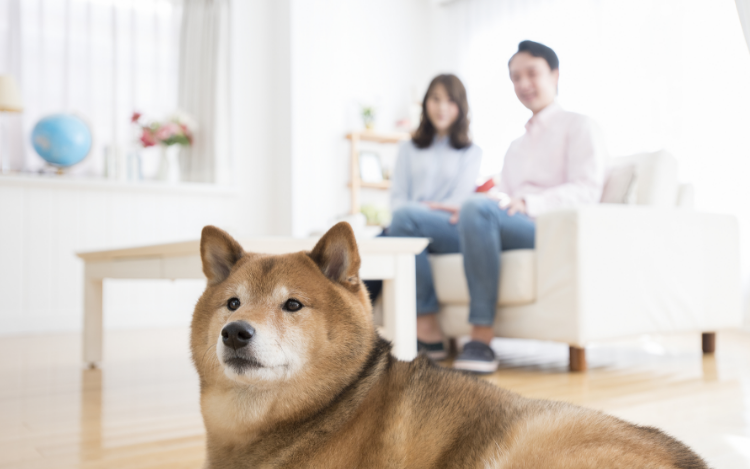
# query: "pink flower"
[[166, 131], [186, 132], [135, 117], [147, 138]]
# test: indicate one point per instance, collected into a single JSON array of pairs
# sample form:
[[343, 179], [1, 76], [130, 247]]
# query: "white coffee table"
[[387, 259]]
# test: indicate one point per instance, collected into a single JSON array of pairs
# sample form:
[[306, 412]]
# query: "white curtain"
[[100, 59], [11, 124], [203, 91], [743, 8], [655, 74]]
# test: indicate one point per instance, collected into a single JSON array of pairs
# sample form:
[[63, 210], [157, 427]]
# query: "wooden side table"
[[387, 259]]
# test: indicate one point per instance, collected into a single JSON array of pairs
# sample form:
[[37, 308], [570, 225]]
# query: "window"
[[99, 59]]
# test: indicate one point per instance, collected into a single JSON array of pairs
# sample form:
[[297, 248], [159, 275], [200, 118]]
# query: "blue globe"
[[61, 139]]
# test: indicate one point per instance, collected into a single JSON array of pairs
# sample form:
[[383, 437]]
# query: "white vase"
[[169, 164]]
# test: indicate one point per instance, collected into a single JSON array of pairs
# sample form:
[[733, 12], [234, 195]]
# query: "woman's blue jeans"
[[483, 231], [416, 220]]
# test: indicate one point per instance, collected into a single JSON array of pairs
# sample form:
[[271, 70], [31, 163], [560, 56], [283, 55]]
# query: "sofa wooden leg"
[[709, 342], [577, 358], [452, 347]]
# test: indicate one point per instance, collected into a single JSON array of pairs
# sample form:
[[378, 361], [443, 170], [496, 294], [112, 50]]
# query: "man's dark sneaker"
[[435, 351], [476, 357]]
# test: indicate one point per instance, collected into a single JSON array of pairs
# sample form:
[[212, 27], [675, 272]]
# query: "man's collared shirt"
[[558, 163]]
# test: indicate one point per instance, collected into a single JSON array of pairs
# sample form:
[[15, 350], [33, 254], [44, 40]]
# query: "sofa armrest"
[[686, 196], [625, 270]]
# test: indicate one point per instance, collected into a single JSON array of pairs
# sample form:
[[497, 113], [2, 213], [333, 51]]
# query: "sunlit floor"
[[141, 410]]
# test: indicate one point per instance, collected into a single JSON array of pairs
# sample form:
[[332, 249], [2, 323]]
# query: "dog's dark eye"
[[292, 305], [233, 304]]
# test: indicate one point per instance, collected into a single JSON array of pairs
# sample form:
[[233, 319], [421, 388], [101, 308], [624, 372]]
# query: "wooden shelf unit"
[[356, 181]]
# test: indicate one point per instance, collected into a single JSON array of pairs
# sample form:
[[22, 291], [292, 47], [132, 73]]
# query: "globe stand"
[[50, 169]]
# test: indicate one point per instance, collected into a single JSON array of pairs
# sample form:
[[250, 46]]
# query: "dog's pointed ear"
[[337, 255], [219, 253]]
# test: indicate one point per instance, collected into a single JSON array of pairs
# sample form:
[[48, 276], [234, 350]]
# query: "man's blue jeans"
[[483, 231]]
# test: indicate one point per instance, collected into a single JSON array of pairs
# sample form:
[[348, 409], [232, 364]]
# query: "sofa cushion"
[[656, 175], [621, 185], [517, 278]]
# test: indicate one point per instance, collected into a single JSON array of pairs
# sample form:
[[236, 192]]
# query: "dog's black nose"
[[237, 334]]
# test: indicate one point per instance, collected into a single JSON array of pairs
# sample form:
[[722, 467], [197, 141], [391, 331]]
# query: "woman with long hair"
[[435, 173]]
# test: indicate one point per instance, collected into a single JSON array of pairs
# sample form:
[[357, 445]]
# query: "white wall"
[[297, 71], [261, 113], [45, 221], [346, 53]]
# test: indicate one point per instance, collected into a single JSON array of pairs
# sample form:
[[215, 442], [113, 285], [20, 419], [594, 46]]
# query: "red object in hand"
[[488, 184]]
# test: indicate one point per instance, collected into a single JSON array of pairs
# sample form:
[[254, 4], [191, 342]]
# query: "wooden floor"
[[141, 410]]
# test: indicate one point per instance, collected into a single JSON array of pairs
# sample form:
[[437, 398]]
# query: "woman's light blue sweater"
[[438, 173]]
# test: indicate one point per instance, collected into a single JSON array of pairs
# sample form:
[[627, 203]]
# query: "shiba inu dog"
[[293, 374]]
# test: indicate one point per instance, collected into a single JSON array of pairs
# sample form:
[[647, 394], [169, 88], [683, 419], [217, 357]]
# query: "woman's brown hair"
[[459, 131]]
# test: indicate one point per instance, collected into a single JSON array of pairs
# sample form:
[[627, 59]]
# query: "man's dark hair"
[[536, 49]]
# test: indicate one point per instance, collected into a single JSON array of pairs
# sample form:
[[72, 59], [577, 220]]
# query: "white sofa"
[[613, 270]]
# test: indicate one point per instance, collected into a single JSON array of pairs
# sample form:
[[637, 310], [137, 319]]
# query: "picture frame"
[[370, 167]]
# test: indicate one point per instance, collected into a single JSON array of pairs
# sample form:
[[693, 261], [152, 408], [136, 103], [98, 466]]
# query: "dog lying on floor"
[[293, 374]]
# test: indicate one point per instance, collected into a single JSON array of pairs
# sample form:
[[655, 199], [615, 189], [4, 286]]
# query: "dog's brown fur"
[[327, 393]]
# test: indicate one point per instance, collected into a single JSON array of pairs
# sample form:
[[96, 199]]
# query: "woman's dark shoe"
[[435, 351]]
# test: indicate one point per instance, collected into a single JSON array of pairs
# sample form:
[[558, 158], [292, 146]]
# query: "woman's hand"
[[452, 209], [514, 205]]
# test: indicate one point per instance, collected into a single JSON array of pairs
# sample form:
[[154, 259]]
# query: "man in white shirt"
[[558, 163]]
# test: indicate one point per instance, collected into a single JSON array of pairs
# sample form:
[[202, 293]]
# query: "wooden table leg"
[[577, 359], [400, 308], [709, 342], [92, 321]]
